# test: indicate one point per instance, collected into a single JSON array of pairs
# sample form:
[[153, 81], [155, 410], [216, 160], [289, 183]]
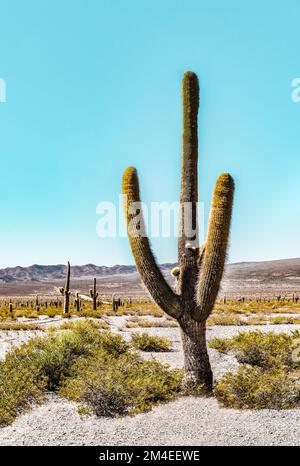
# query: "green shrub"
[[96, 368], [254, 388], [139, 322], [21, 384], [12, 326], [149, 343], [57, 353], [269, 374], [266, 350], [229, 319], [127, 384]]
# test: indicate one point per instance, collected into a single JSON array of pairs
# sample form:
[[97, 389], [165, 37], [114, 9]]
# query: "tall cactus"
[[199, 271], [94, 294], [65, 291]]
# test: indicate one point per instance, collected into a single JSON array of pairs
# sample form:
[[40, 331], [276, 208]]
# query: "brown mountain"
[[243, 278], [45, 273]]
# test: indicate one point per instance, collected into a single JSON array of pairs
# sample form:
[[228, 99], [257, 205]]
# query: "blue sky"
[[94, 86]]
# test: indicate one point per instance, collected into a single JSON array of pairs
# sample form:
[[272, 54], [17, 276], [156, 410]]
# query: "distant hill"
[[243, 278], [265, 270], [46, 273]]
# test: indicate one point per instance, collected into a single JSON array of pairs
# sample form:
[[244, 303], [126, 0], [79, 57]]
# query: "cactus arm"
[[213, 260], [189, 171], [150, 273]]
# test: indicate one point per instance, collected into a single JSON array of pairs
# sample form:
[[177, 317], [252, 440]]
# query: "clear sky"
[[94, 86]]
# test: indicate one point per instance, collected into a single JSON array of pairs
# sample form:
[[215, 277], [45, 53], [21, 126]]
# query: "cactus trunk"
[[199, 271], [197, 368]]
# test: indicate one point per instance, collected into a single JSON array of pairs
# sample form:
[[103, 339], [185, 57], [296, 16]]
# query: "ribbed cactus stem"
[[189, 167], [144, 259], [212, 265]]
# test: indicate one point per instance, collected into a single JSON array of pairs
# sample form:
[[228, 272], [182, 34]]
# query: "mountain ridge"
[[263, 270], [44, 273]]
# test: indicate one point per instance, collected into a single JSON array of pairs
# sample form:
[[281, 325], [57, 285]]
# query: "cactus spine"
[[94, 294], [199, 271], [65, 291]]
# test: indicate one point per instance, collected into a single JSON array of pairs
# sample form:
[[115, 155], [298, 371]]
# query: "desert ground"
[[186, 421], [258, 296]]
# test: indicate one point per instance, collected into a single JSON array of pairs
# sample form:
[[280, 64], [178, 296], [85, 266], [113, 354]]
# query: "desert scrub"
[[139, 322], [284, 320], [89, 313], [266, 350], [95, 367], [223, 320], [253, 388], [21, 384], [150, 343], [110, 386], [65, 325], [253, 307], [6, 326], [268, 376]]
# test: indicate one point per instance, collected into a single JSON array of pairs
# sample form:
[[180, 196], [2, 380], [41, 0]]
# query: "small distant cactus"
[[77, 303], [94, 294], [65, 291], [116, 303], [199, 271]]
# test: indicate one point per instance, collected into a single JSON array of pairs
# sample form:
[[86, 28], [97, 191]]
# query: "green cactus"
[[65, 291], [116, 303], [199, 271], [94, 294], [77, 303]]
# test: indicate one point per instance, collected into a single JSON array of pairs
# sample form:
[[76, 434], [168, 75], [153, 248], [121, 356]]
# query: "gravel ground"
[[187, 421]]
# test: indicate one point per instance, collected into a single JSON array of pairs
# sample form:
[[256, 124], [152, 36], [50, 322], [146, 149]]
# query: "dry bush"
[[150, 343], [268, 376], [138, 322], [95, 367]]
